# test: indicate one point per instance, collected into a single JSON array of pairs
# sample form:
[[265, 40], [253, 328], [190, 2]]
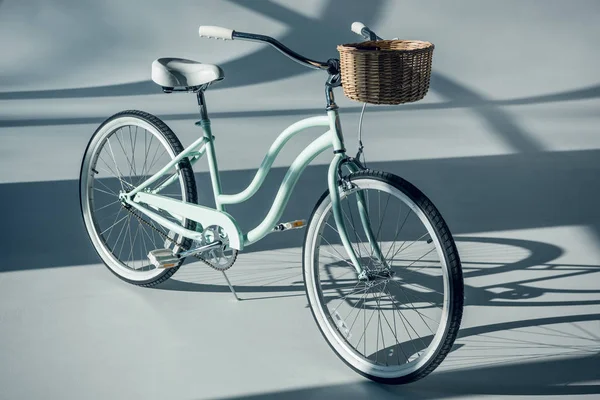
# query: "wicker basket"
[[386, 71]]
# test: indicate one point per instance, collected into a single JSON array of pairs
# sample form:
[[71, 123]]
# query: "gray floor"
[[507, 145]]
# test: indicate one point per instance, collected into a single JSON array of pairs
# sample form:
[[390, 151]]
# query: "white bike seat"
[[178, 72]]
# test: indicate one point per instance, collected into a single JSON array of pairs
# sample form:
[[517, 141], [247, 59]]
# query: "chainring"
[[221, 258], [222, 261]]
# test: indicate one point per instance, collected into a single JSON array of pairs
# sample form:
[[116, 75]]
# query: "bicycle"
[[139, 201]]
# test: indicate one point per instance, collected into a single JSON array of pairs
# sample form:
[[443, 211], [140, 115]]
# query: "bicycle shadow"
[[550, 377], [531, 357], [266, 274]]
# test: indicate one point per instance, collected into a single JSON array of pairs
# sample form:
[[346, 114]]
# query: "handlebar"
[[362, 30], [252, 37], [217, 32]]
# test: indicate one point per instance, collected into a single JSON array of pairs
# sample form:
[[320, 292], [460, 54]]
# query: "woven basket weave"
[[386, 71]]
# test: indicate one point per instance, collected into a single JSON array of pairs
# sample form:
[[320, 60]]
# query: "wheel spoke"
[[118, 174], [110, 227], [116, 134], [397, 231], [103, 191], [121, 180], [147, 147], [107, 188], [381, 222], [128, 154], [358, 239], [402, 248], [109, 204], [339, 256]]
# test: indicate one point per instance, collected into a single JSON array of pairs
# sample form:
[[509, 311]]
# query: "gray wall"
[[506, 139]]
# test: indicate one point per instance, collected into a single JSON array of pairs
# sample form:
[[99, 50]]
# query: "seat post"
[[210, 149], [202, 105]]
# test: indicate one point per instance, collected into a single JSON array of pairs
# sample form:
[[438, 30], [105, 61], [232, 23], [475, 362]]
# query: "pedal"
[[163, 258], [285, 226]]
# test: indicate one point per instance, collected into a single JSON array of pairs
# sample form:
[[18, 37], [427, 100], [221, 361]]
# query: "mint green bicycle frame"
[[332, 138]]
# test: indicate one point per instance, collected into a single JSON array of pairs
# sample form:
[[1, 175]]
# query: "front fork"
[[334, 180]]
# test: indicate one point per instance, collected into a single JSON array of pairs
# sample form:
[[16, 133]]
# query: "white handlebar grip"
[[357, 28], [215, 32]]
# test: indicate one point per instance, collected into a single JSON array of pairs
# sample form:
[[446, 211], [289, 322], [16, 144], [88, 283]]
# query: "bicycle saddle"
[[178, 72]]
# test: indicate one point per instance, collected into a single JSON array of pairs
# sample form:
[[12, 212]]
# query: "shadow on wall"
[[315, 37], [326, 31], [264, 65], [474, 194], [439, 83]]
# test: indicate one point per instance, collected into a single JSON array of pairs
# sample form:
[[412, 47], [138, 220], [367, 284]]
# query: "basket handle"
[[362, 30]]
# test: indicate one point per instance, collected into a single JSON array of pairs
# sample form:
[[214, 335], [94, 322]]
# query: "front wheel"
[[399, 324]]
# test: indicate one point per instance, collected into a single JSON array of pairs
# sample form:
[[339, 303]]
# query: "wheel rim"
[[367, 323], [120, 155]]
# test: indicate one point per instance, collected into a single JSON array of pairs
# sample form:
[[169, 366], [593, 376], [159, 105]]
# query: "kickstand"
[[230, 286]]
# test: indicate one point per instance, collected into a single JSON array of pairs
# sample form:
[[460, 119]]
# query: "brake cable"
[[360, 143]]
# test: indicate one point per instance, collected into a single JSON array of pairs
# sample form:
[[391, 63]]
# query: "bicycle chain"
[[162, 234]]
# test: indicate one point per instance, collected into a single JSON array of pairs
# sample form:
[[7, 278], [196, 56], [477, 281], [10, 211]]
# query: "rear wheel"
[[397, 326], [125, 150]]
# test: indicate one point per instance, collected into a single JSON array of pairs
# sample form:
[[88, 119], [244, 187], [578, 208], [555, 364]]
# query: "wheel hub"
[[376, 274]]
